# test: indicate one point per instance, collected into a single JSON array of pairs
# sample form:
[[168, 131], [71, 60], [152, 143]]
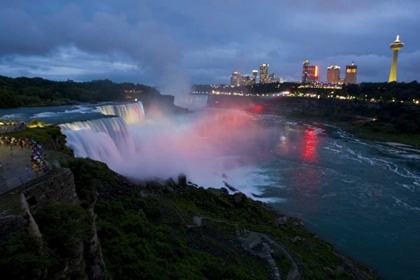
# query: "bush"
[[63, 226], [22, 257]]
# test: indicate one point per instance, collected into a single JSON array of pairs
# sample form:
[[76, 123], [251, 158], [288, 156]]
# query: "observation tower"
[[395, 46]]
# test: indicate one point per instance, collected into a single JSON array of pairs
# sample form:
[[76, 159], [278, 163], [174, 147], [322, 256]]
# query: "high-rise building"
[[245, 80], [395, 46], [254, 76], [351, 74], [333, 74], [310, 73], [272, 78], [263, 73], [235, 79]]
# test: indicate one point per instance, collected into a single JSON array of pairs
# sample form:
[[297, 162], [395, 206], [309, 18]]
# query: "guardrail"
[[8, 185], [16, 126]]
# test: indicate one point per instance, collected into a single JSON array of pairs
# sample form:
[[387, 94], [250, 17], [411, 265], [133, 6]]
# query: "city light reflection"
[[309, 148]]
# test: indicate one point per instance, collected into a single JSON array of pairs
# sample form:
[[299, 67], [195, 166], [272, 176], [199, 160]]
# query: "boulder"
[[224, 191], [281, 220], [215, 191], [182, 179], [197, 220], [170, 182], [239, 197], [295, 239]]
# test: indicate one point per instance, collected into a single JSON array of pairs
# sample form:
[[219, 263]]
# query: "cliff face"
[[162, 229], [84, 259]]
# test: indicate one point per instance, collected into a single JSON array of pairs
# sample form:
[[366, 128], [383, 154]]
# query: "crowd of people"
[[37, 161], [11, 126]]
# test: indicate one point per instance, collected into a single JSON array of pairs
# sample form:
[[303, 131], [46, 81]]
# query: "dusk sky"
[[178, 43]]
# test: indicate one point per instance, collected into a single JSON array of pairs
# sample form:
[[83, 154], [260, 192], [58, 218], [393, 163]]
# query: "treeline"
[[389, 117], [384, 91], [26, 92]]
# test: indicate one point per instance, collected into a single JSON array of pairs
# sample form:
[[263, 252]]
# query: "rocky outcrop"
[[87, 261], [58, 188], [10, 224]]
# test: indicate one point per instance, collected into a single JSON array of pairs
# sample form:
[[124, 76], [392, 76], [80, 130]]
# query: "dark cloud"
[[174, 43]]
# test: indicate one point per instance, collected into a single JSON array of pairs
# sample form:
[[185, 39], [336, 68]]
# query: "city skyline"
[[310, 74], [173, 45]]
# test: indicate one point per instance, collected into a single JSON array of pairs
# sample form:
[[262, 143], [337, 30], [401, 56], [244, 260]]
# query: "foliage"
[[89, 176], [40, 92], [390, 119], [63, 225], [35, 123], [135, 248], [22, 257]]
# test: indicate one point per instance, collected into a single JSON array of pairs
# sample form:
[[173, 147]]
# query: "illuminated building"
[[333, 74], [351, 74], [310, 73], [254, 76], [235, 79], [395, 46], [263, 73], [246, 80]]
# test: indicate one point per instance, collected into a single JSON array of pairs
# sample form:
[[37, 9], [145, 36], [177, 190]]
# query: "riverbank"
[[362, 127], [366, 128]]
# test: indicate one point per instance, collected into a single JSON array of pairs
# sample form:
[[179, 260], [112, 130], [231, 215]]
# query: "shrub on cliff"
[[22, 257], [89, 175], [63, 226]]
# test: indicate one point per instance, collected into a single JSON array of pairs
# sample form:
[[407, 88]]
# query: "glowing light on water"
[[310, 143]]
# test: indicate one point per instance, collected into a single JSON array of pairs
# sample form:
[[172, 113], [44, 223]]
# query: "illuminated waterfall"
[[107, 140], [131, 113]]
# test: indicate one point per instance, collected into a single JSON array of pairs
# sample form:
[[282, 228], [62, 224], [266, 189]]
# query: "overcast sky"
[[179, 43]]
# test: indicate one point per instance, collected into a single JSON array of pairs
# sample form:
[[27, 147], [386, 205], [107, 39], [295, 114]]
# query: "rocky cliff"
[[39, 204]]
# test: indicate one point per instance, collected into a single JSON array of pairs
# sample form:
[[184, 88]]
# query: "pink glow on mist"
[[201, 145]]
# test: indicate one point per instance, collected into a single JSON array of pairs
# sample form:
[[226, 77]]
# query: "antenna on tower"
[[398, 38]]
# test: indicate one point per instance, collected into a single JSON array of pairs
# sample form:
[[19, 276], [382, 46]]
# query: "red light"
[[257, 109], [310, 143]]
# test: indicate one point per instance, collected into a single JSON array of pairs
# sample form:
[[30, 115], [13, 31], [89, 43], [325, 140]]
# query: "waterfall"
[[131, 113], [108, 139]]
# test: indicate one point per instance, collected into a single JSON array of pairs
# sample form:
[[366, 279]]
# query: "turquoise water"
[[363, 197]]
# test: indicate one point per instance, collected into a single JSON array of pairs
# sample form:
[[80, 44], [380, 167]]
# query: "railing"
[[12, 127], [8, 185]]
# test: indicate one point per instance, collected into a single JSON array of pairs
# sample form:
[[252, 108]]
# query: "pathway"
[[14, 164]]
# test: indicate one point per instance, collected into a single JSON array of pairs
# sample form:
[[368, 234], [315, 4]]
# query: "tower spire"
[[395, 46]]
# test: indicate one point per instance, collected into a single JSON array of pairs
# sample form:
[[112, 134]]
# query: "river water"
[[362, 196]]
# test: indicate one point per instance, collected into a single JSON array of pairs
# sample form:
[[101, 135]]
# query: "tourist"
[[35, 167], [28, 172]]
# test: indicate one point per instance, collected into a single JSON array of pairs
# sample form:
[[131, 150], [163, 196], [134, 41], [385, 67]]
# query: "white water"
[[208, 151], [132, 113]]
